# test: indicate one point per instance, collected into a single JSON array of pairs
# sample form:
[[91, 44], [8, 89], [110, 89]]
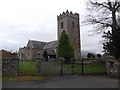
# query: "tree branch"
[[106, 24], [93, 20], [110, 5], [100, 4], [115, 4], [117, 7]]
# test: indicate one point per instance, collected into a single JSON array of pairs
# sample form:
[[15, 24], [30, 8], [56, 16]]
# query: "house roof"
[[43, 45], [37, 44], [21, 49], [51, 45]]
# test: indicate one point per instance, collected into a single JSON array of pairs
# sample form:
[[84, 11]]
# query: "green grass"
[[79, 61], [90, 68], [22, 78], [26, 67]]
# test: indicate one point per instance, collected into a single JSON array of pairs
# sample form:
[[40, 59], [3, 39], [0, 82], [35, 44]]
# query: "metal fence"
[[93, 66], [58, 67]]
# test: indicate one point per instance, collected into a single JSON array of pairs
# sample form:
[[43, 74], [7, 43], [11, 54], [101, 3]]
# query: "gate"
[[49, 68], [93, 66], [53, 67], [84, 66], [58, 67]]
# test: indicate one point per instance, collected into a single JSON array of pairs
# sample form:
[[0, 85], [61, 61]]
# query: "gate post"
[[72, 66], [82, 67], [61, 71], [38, 65]]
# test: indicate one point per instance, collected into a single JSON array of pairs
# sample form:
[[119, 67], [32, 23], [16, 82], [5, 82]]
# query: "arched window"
[[73, 24], [61, 24]]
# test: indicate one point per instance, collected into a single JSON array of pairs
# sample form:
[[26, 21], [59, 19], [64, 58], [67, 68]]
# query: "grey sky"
[[21, 20]]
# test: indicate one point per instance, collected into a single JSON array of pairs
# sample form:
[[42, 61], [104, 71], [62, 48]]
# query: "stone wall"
[[113, 67], [9, 67], [36, 53]]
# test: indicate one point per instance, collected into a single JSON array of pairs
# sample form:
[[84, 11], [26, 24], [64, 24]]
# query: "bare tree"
[[105, 18], [102, 15]]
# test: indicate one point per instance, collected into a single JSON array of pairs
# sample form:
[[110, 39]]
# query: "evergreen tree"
[[112, 44], [90, 55], [65, 49]]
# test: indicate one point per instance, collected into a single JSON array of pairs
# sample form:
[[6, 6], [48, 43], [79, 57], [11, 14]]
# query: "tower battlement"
[[67, 13]]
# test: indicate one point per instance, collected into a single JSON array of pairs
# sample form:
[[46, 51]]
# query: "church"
[[67, 21]]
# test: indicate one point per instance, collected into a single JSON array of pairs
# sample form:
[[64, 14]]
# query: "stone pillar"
[[115, 69], [108, 66], [38, 65], [10, 67], [112, 67]]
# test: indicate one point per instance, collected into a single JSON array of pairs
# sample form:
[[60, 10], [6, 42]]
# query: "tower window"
[[73, 24], [61, 24]]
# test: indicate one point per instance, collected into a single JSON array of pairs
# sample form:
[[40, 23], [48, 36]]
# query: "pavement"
[[73, 81]]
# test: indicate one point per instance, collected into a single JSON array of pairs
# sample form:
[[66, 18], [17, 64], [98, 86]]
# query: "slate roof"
[[37, 44], [51, 45], [22, 49], [50, 52]]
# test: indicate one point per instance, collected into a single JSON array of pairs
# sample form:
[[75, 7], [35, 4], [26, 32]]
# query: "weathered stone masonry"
[[10, 67]]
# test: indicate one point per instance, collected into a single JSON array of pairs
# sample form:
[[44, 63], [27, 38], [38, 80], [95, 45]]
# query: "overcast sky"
[[23, 20]]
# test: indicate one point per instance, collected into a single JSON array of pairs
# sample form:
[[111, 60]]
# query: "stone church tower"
[[70, 23]]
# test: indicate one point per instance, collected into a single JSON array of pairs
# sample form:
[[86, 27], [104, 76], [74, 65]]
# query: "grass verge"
[[22, 78]]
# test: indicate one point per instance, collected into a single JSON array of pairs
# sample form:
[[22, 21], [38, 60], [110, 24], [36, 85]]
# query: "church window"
[[73, 24], [61, 24]]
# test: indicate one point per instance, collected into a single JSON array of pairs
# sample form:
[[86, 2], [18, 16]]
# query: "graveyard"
[[55, 60]]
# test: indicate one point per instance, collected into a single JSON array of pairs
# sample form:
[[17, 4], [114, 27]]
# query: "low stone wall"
[[9, 67], [113, 67]]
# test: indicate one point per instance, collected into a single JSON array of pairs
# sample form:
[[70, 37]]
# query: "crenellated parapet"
[[67, 13]]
